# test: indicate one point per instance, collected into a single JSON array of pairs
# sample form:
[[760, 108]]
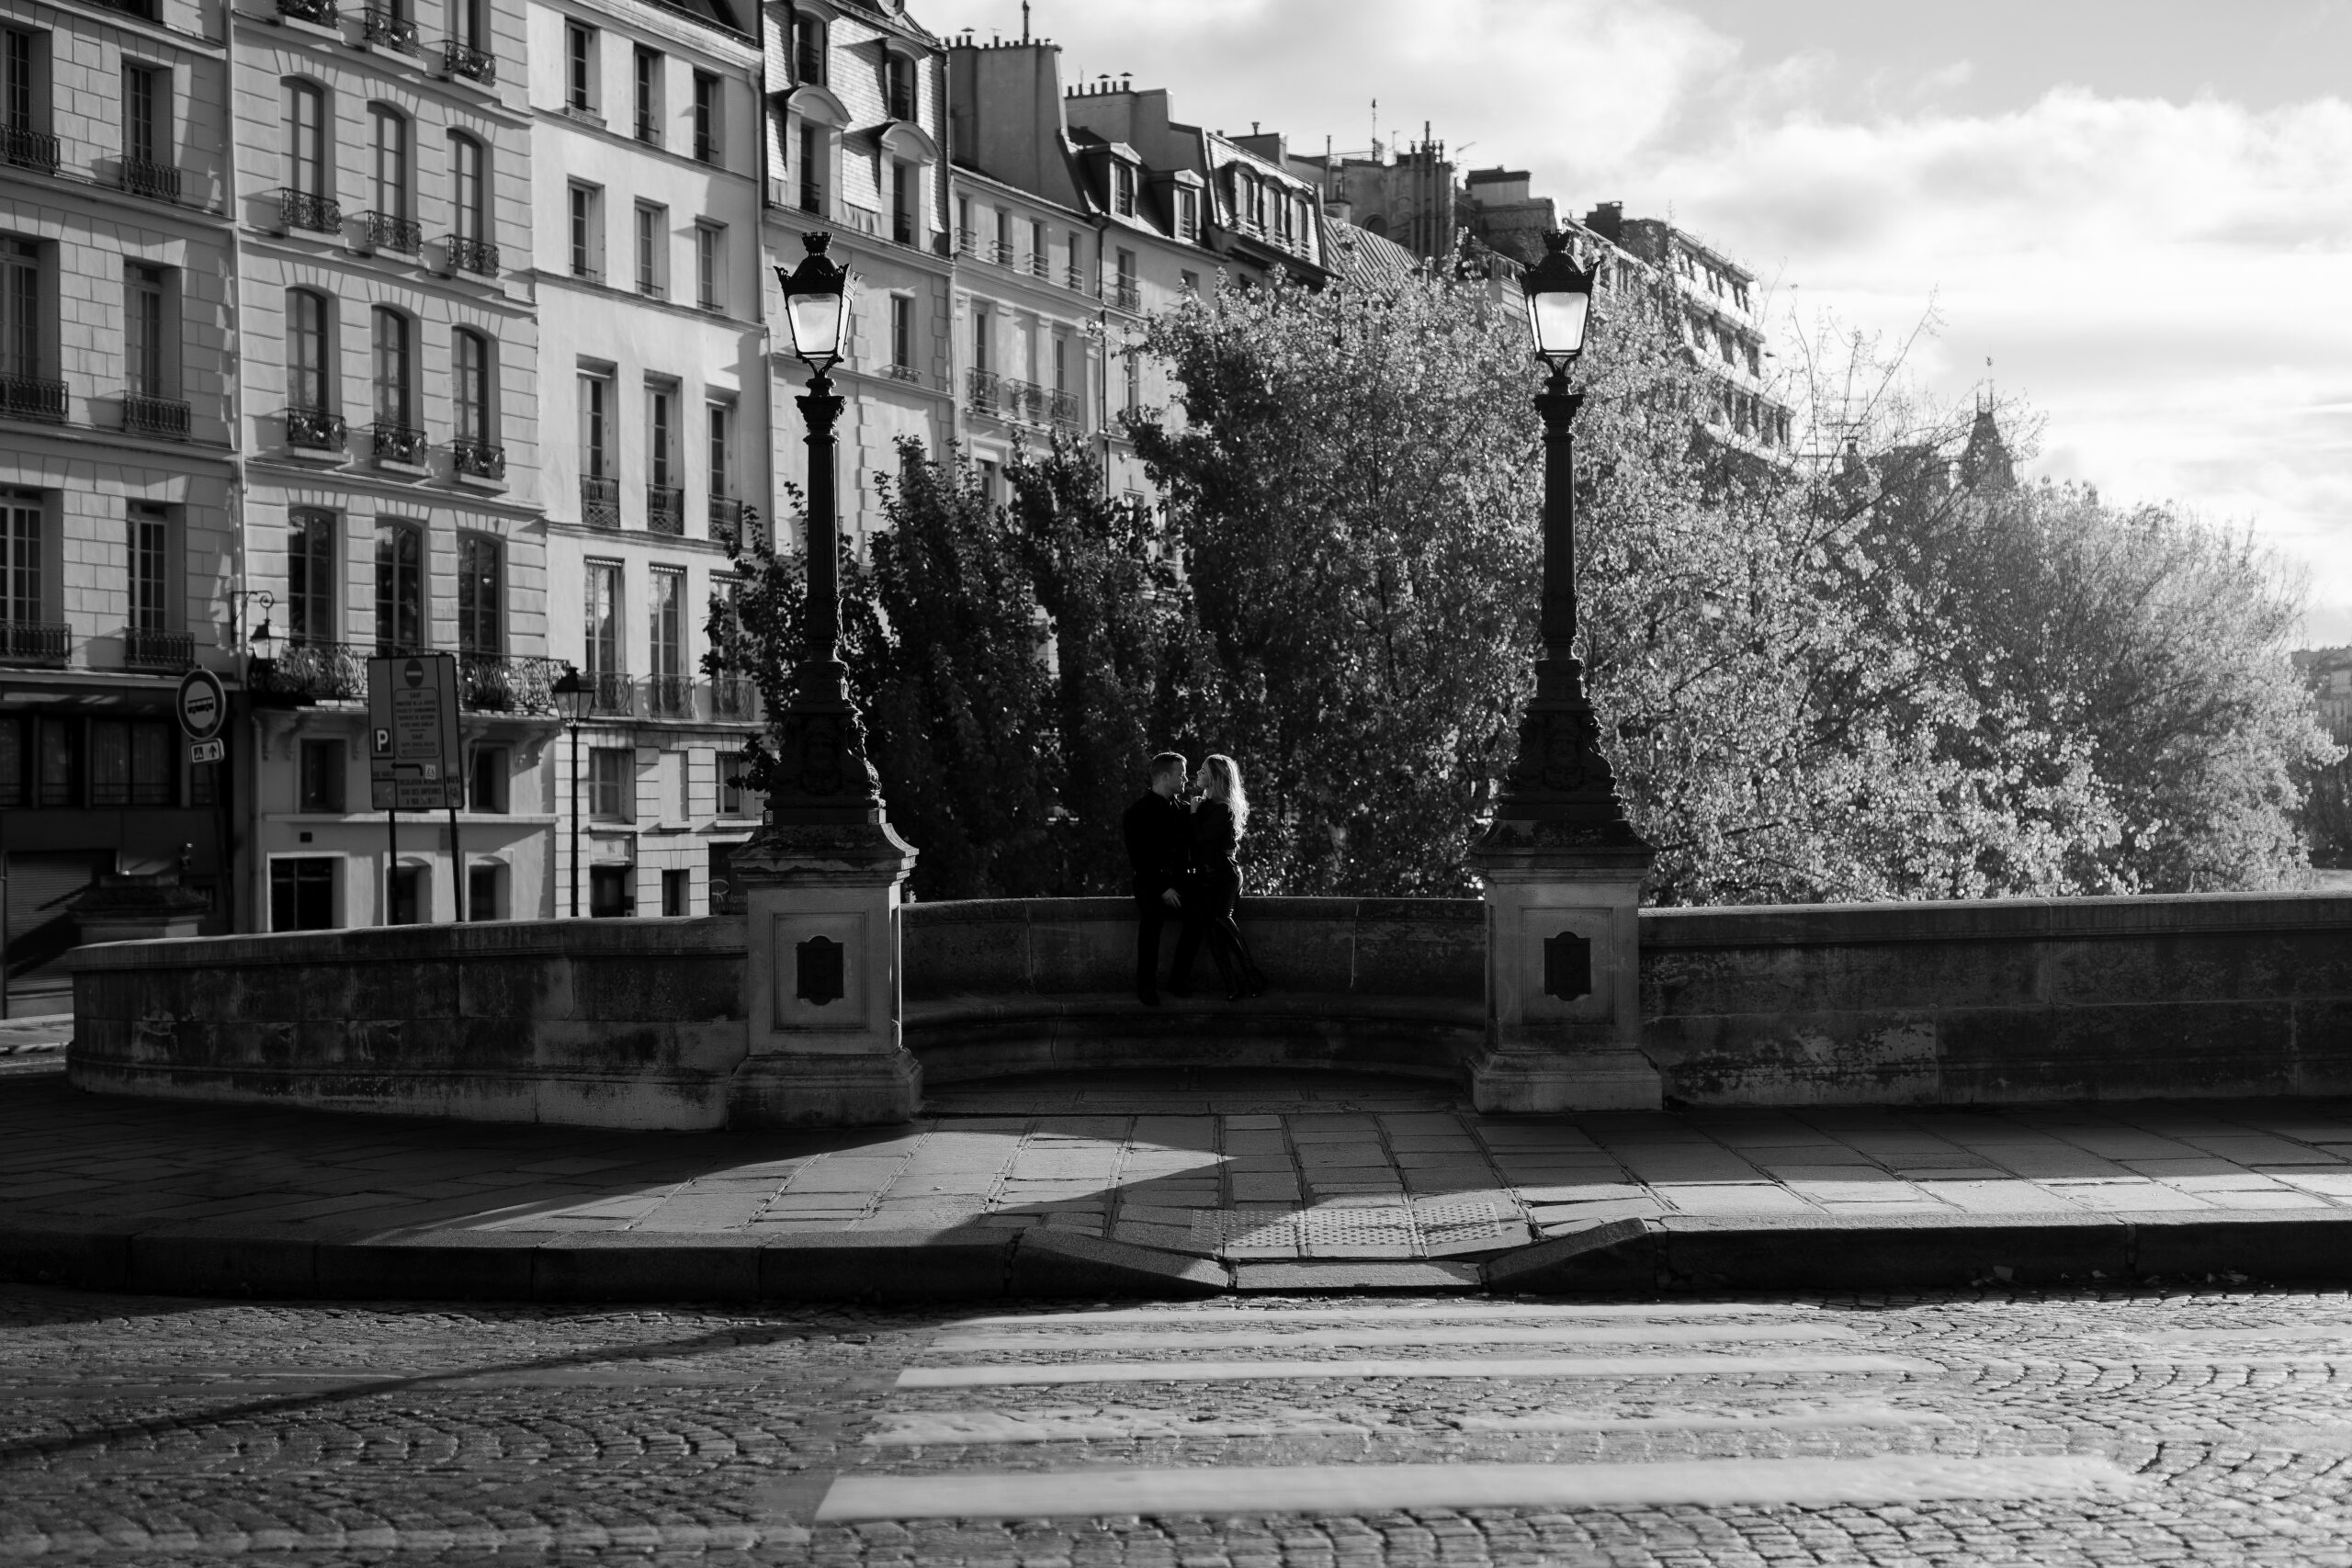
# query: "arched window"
[[394, 339], [392, 179], [310, 352], [309, 171], [400, 587], [476, 399]]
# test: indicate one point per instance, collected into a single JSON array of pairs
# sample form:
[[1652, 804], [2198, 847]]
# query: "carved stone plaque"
[[1567, 966], [820, 967]]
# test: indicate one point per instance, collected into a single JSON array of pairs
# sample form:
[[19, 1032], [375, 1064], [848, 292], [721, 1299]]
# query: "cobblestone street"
[[2155, 1428]]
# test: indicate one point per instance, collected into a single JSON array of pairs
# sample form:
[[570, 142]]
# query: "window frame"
[[391, 348], [481, 596], [310, 139], [310, 556], [311, 351], [392, 185], [400, 587]]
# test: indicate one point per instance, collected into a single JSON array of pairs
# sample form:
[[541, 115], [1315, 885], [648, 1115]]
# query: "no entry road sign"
[[202, 705], [414, 762]]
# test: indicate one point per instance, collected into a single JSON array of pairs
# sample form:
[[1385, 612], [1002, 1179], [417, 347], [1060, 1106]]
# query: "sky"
[[2139, 213]]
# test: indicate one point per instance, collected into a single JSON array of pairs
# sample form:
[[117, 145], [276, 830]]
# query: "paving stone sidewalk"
[[1246, 1166]]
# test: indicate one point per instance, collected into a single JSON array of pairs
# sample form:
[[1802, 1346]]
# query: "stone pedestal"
[[1563, 1017], [820, 910]]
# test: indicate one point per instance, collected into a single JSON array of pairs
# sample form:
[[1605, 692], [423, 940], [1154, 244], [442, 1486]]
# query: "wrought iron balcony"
[[307, 209], [670, 696], [1040, 265], [652, 290], [389, 30], [166, 653], [398, 443], [600, 503], [728, 518], [465, 60], [30, 149], [472, 255], [35, 642], [734, 696], [478, 459], [610, 690], [982, 389], [145, 176], [312, 672], [1062, 409], [315, 430], [1074, 277], [665, 509], [318, 13], [144, 415], [1024, 400], [1127, 295], [491, 682], [386, 232], [903, 373], [967, 243], [812, 197], [1000, 252], [31, 397]]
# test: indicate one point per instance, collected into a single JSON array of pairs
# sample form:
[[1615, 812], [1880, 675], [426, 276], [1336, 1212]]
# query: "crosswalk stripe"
[[1805, 1421], [922, 1429], [1173, 1338], [1385, 1488], [1549, 1367], [1370, 1310]]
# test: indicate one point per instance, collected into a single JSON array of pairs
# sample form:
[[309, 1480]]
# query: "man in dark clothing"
[[1160, 850]]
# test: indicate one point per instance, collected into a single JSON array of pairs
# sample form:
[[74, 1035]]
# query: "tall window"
[[653, 250], [482, 597], [146, 113], [1188, 213], [393, 342], [147, 367], [706, 102], [719, 447], [469, 22], [711, 247], [310, 577], [903, 203], [1037, 246], [1061, 364], [20, 596], [808, 49], [19, 308], [310, 383], [467, 188], [20, 104], [306, 138], [400, 587], [390, 133], [812, 174], [983, 329], [1132, 367], [660, 433], [580, 67], [1122, 189], [902, 333], [471, 368], [649, 94], [666, 623], [587, 231], [898, 86], [602, 654], [1127, 295], [596, 427], [150, 567], [612, 797]]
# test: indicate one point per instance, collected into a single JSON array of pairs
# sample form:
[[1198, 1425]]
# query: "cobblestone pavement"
[[1266, 1166], [2049, 1429]]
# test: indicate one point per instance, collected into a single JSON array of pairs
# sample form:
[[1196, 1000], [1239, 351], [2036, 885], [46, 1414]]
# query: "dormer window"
[[808, 49], [1188, 213], [1122, 189], [898, 86]]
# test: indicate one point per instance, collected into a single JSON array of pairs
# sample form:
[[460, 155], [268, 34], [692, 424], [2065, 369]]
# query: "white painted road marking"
[[1802, 1421], [2208, 1335], [1467, 1309], [1549, 1367], [1383, 1488], [1173, 1338], [916, 1428]]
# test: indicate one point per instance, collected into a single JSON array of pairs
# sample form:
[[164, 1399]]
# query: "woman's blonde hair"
[[1224, 783]]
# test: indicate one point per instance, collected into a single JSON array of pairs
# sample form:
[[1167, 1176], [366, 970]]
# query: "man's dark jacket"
[[1159, 844]]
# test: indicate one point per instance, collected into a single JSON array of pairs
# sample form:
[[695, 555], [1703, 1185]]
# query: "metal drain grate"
[[1325, 1228], [1441, 1222]]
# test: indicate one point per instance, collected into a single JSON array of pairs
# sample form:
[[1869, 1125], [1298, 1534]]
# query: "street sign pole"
[[391, 862], [414, 756]]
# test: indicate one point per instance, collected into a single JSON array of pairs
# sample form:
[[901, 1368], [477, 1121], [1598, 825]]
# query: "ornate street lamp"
[[822, 775], [573, 696]]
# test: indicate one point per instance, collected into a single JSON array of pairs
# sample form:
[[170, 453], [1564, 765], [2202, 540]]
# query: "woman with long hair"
[[1219, 819]]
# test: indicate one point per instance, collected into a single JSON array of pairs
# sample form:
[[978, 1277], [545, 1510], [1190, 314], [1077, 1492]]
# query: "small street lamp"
[[573, 696]]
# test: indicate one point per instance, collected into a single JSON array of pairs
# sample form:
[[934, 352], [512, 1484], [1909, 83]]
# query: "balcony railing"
[[319, 13], [1024, 400], [31, 397], [312, 672], [1040, 265], [386, 232], [465, 60], [670, 696], [981, 390], [398, 443], [315, 430], [145, 176], [1062, 409], [967, 243], [812, 197], [144, 415], [728, 518], [734, 696], [166, 653], [35, 642], [490, 682], [600, 503], [472, 255], [478, 459], [1074, 277], [30, 149], [665, 509], [389, 30], [653, 288], [307, 209], [903, 373], [1127, 295], [610, 690]]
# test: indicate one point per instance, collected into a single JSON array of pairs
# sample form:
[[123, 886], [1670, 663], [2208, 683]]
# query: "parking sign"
[[414, 756]]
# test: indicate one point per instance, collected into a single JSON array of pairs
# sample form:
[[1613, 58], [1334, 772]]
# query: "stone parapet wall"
[[2001, 1001], [605, 1023]]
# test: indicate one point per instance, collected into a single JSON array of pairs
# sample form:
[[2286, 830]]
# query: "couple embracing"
[[1181, 843]]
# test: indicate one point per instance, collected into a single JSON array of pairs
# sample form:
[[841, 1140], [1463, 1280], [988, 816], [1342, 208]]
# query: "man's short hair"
[[1169, 763]]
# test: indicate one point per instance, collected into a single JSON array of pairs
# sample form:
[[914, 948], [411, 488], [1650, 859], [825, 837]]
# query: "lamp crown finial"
[[1556, 241], [817, 239]]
